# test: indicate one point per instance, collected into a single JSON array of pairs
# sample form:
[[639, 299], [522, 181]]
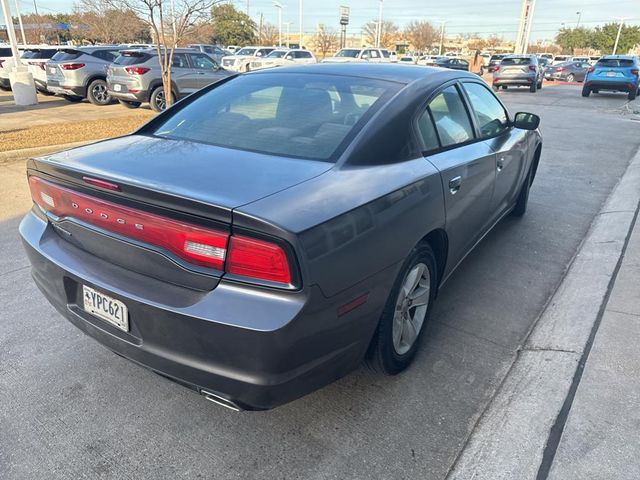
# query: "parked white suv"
[[241, 60], [345, 55], [284, 57]]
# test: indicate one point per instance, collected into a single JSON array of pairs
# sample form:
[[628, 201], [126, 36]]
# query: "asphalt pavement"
[[69, 408]]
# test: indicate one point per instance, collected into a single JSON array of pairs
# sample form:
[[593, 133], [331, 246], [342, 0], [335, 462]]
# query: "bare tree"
[[325, 40], [493, 41], [96, 21], [170, 23], [388, 34], [269, 34], [421, 34]]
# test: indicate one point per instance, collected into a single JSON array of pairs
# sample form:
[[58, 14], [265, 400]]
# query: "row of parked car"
[[131, 74]]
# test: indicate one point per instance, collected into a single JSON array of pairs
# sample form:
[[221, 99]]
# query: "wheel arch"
[[158, 83], [536, 161], [438, 240], [95, 76]]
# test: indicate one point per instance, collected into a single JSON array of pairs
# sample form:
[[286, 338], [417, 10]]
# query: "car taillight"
[[234, 254], [532, 68], [1, 62], [137, 70], [71, 66], [253, 258], [559, 69], [591, 69], [42, 66], [634, 71]]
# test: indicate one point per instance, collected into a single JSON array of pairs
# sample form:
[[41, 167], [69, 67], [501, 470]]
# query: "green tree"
[[604, 38], [571, 38], [232, 27]]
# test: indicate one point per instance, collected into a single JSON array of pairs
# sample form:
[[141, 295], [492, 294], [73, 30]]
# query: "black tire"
[[129, 103], [571, 77], [595, 91], [540, 85], [156, 100], [533, 88], [633, 94], [522, 201], [382, 355], [72, 98], [504, 87], [97, 92], [495, 88], [586, 91]]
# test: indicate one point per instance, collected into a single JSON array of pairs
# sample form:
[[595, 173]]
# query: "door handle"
[[500, 165], [454, 184], [200, 73]]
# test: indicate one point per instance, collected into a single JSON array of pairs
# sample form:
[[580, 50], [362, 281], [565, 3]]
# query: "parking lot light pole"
[[278, 5], [615, 45], [20, 79], [24, 39], [579, 18], [379, 29], [300, 25], [442, 23]]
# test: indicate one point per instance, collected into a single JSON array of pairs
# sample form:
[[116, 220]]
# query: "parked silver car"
[[135, 77], [36, 59], [356, 55], [77, 73], [284, 57], [519, 70]]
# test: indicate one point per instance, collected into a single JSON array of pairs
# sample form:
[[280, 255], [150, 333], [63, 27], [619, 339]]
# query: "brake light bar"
[[591, 69], [234, 254], [532, 68], [137, 70], [42, 66], [71, 66]]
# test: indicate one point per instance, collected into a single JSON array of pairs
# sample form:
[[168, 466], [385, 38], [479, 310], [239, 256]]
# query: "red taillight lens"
[[532, 68], [634, 71], [192, 243], [137, 70], [560, 69], [244, 256], [253, 258], [71, 66], [42, 66], [591, 70]]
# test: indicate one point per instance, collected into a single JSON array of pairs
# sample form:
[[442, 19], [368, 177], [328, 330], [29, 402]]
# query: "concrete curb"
[[510, 438], [14, 155]]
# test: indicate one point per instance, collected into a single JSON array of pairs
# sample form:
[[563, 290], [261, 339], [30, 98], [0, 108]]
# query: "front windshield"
[[348, 52], [245, 52], [295, 115], [277, 54]]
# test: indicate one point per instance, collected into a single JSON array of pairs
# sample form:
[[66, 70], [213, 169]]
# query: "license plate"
[[117, 88], [611, 74], [52, 70], [104, 307]]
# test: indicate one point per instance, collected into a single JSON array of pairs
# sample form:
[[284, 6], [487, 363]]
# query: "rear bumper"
[[141, 96], [514, 80], [255, 348], [611, 85], [77, 91]]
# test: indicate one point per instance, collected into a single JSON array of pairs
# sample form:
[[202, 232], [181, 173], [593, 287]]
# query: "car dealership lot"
[[70, 409]]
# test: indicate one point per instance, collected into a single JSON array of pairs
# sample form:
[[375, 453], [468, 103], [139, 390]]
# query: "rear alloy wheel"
[[571, 78], [396, 339], [129, 103], [97, 93], [632, 94], [586, 91], [72, 98], [157, 100]]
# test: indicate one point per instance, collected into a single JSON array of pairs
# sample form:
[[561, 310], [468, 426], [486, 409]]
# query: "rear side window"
[[202, 61], [65, 55], [615, 62], [5, 52], [108, 55], [131, 58], [492, 117], [451, 118], [179, 61], [516, 61]]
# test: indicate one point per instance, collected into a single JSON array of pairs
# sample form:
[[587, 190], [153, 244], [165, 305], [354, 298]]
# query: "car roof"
[[618, 57], [381, 71]]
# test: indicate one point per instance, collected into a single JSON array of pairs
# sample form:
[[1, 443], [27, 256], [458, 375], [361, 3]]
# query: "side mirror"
[[365, 56], [288, 57], [259, 54], [526, 121]]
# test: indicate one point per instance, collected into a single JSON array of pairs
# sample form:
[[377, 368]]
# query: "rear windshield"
[[303, 115], [131, 58], [35, 54], [516, 61], [615, 62], [386, 53], [246, 52], [64, 55], [277, 54], [348, 52]]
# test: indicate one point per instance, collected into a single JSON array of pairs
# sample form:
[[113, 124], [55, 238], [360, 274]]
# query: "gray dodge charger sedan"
[[264, 236]]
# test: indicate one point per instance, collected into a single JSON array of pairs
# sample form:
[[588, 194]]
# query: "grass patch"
[[54, 134]]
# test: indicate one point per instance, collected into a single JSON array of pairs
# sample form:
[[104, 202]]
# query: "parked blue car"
[[614, 73]]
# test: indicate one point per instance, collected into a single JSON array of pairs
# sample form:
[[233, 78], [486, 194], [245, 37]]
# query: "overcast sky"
[[463, 16]]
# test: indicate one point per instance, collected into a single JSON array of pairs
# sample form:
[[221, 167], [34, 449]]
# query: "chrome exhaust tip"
[[218, 400]]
